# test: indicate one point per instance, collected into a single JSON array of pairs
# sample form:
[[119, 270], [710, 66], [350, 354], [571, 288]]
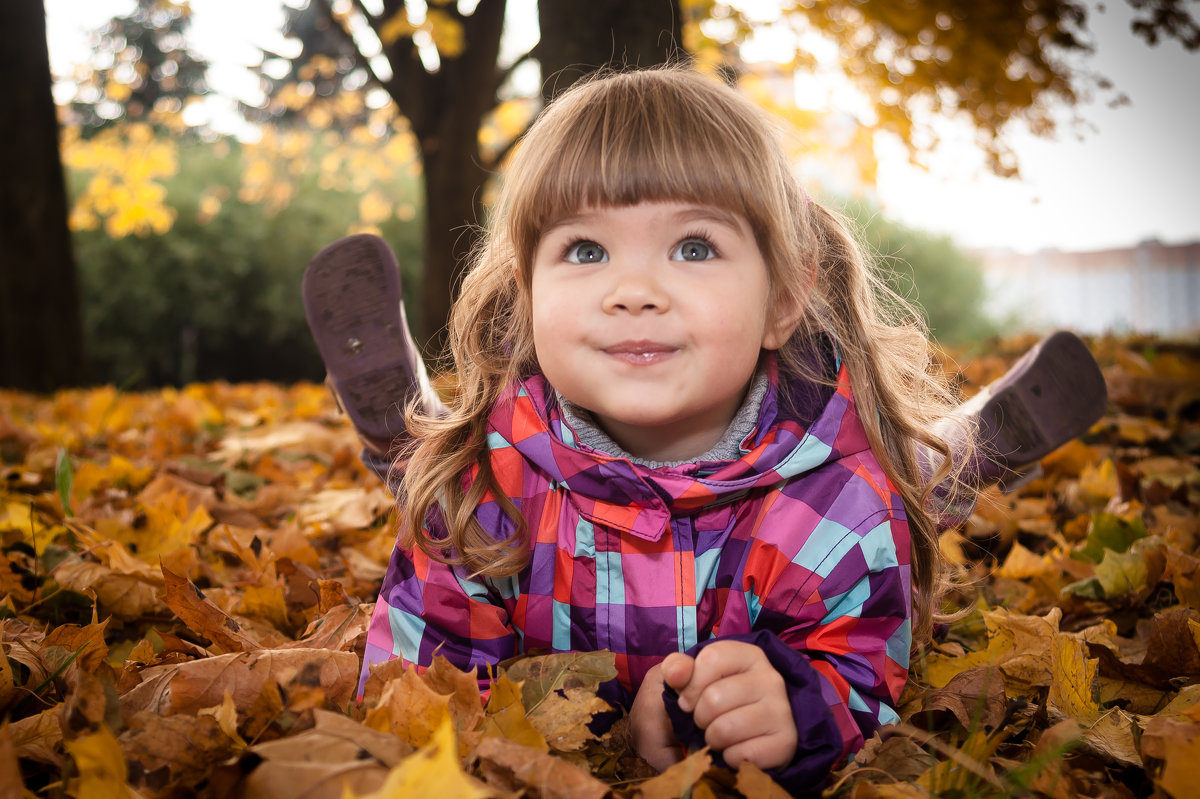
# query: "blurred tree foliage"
[[217, 295], [321, 85], [930, 271], [142, 70]]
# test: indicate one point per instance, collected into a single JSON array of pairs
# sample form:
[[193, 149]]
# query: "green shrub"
[[218, 299]]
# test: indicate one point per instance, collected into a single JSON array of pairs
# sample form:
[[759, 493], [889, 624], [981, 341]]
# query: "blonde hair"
[[670, 134]]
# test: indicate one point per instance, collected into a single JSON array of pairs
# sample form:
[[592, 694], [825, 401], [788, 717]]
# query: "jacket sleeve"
[[428, 608], [833, 619]]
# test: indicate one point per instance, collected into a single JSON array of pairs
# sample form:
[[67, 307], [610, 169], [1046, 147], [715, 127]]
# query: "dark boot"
[[351, 293], [1053, 394]]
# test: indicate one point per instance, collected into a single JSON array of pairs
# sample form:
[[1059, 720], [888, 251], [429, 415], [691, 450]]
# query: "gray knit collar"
[[729, 448]]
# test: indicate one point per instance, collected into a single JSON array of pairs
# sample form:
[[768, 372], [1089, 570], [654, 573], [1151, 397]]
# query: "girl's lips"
[[640, 353]]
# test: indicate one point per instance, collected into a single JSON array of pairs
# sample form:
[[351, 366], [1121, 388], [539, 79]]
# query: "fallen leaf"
[[975, 697], [201, 615], [100, 767], [511, 767], [410, 709], [433, 771], [505, 716], [168, 753], [11, 784], [199, 684], [679, 779]]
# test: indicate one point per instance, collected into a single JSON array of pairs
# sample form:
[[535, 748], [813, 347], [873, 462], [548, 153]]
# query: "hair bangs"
[[627, 140]]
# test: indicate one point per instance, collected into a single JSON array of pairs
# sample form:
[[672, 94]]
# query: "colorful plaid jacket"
[[801, 546]]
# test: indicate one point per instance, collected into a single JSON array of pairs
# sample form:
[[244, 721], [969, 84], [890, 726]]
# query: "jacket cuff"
[[819, 742]]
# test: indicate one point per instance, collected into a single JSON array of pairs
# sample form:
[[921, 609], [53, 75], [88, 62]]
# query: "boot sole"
[[1054, 394], [351, 291]]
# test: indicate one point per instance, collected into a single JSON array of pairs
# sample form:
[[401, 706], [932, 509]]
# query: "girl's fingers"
[[765, 751], [715, 663], [758, 732], [733, 693], [677, 670]]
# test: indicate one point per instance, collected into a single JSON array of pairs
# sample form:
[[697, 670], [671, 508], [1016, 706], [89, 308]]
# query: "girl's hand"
[[653, 737], [735, 695]]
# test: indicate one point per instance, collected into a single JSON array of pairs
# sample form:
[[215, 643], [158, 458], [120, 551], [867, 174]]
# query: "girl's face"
[[652, 316]]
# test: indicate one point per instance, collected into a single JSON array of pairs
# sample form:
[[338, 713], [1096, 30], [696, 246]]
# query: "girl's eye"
[[586, 252], [693, 250]]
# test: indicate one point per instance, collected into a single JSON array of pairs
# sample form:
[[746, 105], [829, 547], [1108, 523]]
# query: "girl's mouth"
[[640, 353]]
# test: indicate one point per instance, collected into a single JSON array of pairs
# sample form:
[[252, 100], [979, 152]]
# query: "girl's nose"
[[635, 290]]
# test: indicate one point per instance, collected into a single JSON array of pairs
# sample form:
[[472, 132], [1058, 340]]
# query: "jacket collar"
[[822, 426]]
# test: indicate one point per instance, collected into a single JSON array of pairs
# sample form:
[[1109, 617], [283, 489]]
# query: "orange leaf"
[[202, 616]]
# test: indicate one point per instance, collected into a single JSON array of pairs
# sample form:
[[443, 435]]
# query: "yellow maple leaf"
[[1071, 689], [506, 716], [101, 767], [434, 770]]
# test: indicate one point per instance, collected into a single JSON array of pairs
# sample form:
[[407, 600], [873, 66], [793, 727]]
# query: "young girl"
[[684, 430]]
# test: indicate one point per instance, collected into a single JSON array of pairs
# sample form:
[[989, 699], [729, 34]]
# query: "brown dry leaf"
[[679, 779], [892, 790], [119, 594], [340, 629], [166, 753], [7, 685], [344, 508], [87, 642], [511, 767], [1115, 735], [409, 709], [39, 737], [1176, 742], [465, 705], [227, 719], [202, 616], [541, 675], [563, 718], [11, 784], [305, 436], [975, 697], [1051, 779], [321, 762], [754, 782], [199, 684]]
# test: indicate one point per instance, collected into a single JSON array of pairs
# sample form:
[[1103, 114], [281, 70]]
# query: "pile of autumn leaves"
[[186, 579]]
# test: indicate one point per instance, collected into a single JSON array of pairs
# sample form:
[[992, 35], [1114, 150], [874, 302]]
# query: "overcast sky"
[[1132, 174]]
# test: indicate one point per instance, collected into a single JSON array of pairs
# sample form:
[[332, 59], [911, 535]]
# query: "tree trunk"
[[580, 36], [41, 338]]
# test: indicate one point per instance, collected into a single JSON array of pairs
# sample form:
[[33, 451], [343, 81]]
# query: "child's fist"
[[653, 737], [735, 695]]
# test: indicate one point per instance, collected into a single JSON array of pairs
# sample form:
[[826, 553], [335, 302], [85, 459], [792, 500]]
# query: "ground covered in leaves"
[[186, 577]]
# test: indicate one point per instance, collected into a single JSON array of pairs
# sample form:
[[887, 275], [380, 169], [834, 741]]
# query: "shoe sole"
[[351, 292], [1052, 395]]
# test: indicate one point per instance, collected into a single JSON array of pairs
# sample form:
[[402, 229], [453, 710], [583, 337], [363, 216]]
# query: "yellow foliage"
[[446, 32], [395, 28], [101, 767], [126, 163], [374, 207]]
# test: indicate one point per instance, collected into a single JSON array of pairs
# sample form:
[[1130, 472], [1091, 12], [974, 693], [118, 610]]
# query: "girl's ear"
[[786, 313], [783, 322]]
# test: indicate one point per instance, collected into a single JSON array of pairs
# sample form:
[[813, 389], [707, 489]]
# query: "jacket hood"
[[820, 425]]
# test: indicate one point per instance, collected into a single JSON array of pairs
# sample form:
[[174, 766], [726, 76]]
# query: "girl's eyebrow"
[[695, 213], [709, 213]]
